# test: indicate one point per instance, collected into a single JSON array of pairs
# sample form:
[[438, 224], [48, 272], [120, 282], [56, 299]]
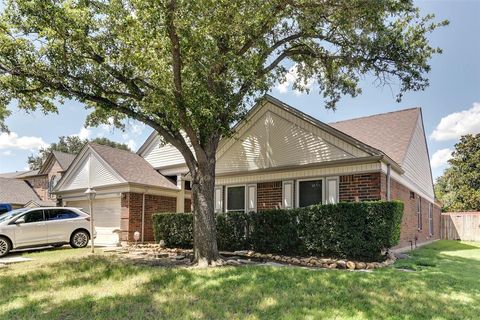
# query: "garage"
[[106, 214]]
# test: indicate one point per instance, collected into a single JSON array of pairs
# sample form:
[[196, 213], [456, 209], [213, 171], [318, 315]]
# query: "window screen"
[[236, 199], [309, 192]]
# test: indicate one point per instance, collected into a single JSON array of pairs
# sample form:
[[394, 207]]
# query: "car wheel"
[[5, 246], [79, 239]]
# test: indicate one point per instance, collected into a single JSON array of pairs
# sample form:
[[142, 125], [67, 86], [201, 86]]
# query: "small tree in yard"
[[459, 186], [189, 69]]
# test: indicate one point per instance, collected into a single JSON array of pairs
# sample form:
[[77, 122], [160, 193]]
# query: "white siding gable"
[[416, 163], [275, 138], [90, 172], [160, 154]]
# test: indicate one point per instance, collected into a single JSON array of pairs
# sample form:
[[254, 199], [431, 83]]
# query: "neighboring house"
[[16, 192], [43, 180], [278, 157], [128, 190]]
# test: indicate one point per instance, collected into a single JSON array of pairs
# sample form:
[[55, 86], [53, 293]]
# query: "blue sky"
[[451, 105]]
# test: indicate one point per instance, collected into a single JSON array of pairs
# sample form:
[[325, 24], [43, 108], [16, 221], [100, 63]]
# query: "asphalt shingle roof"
[[64, 159], [16, 191], [12, 174], [389, 132], [131, 167]]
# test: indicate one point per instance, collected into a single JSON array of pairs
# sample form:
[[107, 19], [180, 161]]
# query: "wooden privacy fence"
[[461, 226]]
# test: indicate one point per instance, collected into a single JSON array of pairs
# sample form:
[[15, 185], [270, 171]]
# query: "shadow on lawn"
[[243, 292]]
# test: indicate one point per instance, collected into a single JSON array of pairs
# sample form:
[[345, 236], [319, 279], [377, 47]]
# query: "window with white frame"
[[316, 191], [309, 192], [236, 198]]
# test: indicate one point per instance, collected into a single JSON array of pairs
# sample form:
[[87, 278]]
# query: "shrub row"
[[344, 230]]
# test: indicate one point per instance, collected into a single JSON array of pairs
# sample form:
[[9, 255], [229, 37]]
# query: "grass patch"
[[71, 284]]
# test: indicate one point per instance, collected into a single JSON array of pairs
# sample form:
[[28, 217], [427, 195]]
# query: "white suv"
[[38, 227]]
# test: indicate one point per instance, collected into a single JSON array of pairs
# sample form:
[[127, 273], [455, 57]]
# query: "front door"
[[33, 231]]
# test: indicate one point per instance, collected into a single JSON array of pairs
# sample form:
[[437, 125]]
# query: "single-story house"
[[279, 157]]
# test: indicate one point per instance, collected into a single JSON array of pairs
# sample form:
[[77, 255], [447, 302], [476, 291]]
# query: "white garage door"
[[106, 216]]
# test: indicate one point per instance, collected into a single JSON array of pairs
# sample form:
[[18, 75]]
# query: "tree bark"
[[205, 231]]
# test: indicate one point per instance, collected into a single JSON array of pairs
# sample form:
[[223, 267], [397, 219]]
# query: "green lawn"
[[71, 284]]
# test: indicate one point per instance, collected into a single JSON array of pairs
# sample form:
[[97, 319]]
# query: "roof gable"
[[99, 165], [89, 171], [63, 159], [273, 137]]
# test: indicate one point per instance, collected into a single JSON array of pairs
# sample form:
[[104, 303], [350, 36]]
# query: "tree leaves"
[[459, 187]]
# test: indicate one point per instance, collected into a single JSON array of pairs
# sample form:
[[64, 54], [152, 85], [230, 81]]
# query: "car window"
[[33, 216], [11, 214], [59, 214]]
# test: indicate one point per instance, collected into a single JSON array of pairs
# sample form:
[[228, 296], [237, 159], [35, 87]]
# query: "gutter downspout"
[[389, 183]]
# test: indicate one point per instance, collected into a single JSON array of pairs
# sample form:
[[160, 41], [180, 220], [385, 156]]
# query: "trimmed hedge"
[[345, 230]]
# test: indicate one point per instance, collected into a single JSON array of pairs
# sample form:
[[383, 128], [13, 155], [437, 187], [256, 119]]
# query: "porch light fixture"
[[91, 193]]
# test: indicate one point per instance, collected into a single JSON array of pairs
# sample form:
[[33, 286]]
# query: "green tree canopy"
[[459, 186], [189, 69], [70, 144]]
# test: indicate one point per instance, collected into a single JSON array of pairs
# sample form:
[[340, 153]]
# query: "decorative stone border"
[[316, 261], [158, 255]]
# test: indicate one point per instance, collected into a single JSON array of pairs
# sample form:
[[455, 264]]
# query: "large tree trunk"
[[205, 231]]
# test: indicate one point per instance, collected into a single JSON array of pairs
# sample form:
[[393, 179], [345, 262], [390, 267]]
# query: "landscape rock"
[[370, 266], [332, 266], [341, 264], [245, 261], [360, 265], [232, 262], [351, 265], [180, 257]]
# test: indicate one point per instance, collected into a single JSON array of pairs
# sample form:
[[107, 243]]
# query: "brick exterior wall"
[[410, 234], [269, 195], [366, 186], [369, 186], [131, 215]]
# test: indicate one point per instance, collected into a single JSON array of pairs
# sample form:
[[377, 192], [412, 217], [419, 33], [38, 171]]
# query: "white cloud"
[[13, 141], [132, 144], [108, 127], [457, 124], [7, 153], [290, 79], [83, 134], [440, 158]]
